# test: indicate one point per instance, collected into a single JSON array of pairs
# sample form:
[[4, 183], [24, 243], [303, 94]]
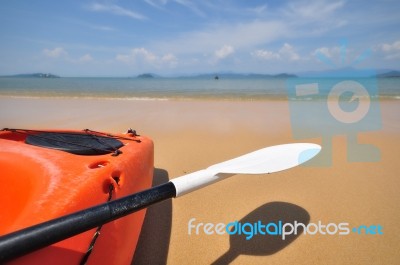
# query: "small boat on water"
[[49, 174]]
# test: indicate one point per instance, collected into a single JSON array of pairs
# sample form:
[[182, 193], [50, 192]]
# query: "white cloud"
[[116, 10], [258, 9], [265, 55], [103, 28], [224, 52], [144, 56], [291, 21], [313, 10], [170, 60], [256, 34], [240, 36], [55, 53], [315, 17], [327, 52], [186, 3], [191, 6], [390, 50], [85, 58], [157, 3], [286, 52], [395, 46], [393, 56], [137, 54], [61, 53]]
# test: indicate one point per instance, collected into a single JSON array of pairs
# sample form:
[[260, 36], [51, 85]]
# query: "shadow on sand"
[[153, 244], [263, 245]]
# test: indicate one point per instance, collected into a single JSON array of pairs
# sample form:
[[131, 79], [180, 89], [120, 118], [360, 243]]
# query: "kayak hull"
[[40, 184]]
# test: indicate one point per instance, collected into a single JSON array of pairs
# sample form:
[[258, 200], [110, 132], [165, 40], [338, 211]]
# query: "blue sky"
[[170, 37]]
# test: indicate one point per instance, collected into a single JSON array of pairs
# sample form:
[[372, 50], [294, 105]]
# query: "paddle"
[[267, 160]]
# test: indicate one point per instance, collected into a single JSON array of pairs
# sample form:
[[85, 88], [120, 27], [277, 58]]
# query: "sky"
[[179, 37]]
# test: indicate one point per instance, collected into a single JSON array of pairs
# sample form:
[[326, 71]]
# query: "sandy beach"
[[193, 134]]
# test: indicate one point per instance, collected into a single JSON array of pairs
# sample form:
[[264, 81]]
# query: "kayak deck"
[[42, 183]]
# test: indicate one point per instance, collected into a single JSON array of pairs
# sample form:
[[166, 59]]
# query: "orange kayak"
[[48, 174]]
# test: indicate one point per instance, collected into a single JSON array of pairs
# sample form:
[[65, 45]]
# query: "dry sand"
[[191, 135]]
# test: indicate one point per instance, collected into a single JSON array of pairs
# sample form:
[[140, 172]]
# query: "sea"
[[188, 88]]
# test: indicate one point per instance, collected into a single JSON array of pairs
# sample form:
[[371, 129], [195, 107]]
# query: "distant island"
[[390, 74], [35, 75], [239, 75], [281, 75], [352, 72], [343, 72], [147, 75]]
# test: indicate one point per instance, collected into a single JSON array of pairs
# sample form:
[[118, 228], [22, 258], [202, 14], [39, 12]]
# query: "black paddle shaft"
[[27, 240]]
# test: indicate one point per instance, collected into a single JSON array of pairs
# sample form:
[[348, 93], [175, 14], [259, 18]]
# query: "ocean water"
[[173, 88]]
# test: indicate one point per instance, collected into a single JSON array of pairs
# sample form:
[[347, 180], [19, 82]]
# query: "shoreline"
[[188, 98]]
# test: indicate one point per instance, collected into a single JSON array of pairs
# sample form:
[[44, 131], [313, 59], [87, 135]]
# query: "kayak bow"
[[264, 161]]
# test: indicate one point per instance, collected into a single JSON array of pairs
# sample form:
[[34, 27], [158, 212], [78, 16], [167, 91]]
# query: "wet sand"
[[191, 135]]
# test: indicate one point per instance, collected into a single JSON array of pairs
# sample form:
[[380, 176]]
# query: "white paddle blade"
[[268, 160]]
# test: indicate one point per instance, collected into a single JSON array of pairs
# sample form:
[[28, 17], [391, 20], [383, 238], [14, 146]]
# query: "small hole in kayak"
[[116, 176], [116, 179]]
